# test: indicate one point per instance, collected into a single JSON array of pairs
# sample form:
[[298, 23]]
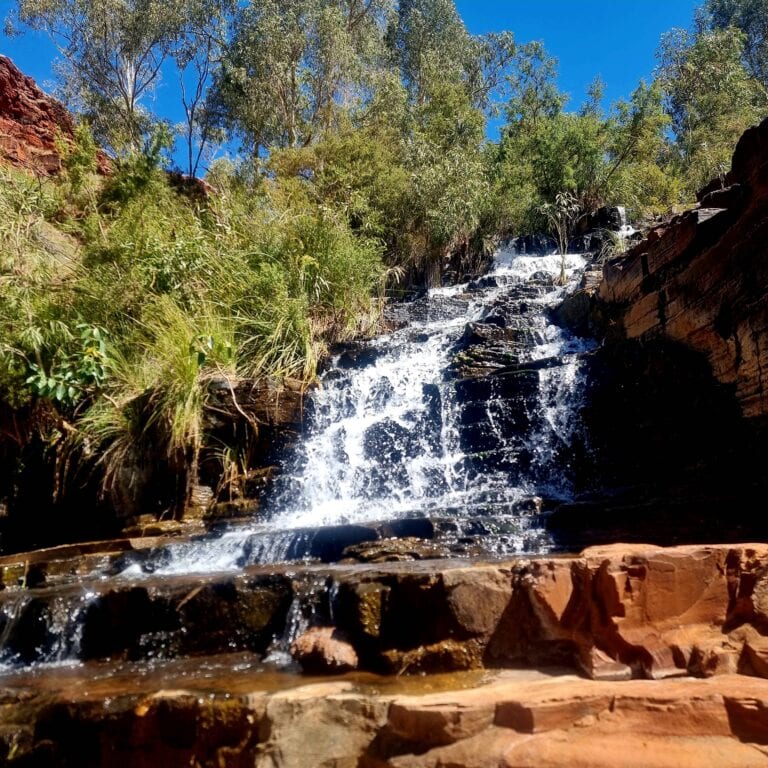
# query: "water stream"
[[396, 433], [456, 429]]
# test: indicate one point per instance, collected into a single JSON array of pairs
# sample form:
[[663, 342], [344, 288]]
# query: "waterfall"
[[396, 432], [452, 432]]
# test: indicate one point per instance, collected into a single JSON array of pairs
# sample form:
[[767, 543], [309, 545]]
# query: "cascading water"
[[398, 431], [451, 431]]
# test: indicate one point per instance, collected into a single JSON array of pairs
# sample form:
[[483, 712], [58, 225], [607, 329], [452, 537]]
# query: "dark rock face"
[[534, 245], [702, 280], [677, 412], [668, 454]]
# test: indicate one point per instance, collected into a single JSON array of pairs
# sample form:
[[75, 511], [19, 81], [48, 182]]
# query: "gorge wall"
[[676, 413], [30, 122], [702, 279]]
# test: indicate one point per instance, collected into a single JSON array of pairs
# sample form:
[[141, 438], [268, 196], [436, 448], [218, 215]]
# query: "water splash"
[[387, 434]]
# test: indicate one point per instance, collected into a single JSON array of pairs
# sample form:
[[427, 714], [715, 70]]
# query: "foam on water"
[[383, 441]]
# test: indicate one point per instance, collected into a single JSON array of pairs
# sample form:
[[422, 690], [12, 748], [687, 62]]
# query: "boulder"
[[324, 650]]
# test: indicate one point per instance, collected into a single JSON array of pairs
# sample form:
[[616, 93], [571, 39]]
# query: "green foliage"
[[289, 63], [749, 16], [711, 100], [366, 162], [623, 157], [71, 375]]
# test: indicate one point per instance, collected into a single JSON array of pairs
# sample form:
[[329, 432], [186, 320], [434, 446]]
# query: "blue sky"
[[616, 39]]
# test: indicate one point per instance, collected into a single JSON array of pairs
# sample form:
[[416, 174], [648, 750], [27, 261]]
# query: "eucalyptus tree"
[[711, 99], [202, 40], [751, 17], [293, 65], [112, 54]]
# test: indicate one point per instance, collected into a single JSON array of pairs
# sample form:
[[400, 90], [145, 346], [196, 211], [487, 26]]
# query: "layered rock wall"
[[702, 279], [31, 122]]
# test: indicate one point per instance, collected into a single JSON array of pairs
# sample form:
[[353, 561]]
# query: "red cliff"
[[30, 122], [702, 279]]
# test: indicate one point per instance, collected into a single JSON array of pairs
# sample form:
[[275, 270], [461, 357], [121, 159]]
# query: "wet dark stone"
[[479, 437], [388, 442], [328, 544], [533, 245], [117, 623], [402, 549], [483, 283], [495, 318], [358, 356], [543, 278], [380, 394], [422, 528], [611, 217], [30, 637]]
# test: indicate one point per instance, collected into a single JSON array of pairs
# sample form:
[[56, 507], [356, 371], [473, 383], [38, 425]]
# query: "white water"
[[336, 478], [387, 441], [384, 440]]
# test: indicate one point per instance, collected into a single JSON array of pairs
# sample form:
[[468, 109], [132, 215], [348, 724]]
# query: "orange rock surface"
[[30, 122]]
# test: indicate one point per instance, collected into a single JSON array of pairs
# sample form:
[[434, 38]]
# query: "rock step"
[[613, 613], [485, 517], [522, 720]]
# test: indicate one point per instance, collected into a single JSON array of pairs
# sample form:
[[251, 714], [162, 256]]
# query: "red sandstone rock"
[[30, 122], [513, 720], [702, 280], [324, 650]]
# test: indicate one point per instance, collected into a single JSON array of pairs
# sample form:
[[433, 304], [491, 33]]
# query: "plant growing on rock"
[[562, 214]]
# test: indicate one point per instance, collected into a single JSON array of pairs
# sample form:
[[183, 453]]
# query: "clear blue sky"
[[616, 39]]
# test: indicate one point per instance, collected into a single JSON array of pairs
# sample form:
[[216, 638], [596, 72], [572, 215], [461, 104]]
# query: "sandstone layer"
[[702, 279], [31, 122], [613, 613], [675, 641], [512, 720]]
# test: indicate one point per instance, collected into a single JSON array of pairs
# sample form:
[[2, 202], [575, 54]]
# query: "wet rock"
[[324, 650], [395, 550], [434, 657], [702, 280], [389, 442], [357, 355], [611, 217], [526, 720], [533, 245], [656, 612]]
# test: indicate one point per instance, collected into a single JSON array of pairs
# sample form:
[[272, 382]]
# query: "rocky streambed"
[[534, 662]]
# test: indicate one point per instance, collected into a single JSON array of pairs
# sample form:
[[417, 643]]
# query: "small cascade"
[[42, 630], [449, 437], [460, 417], [312, 604]]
